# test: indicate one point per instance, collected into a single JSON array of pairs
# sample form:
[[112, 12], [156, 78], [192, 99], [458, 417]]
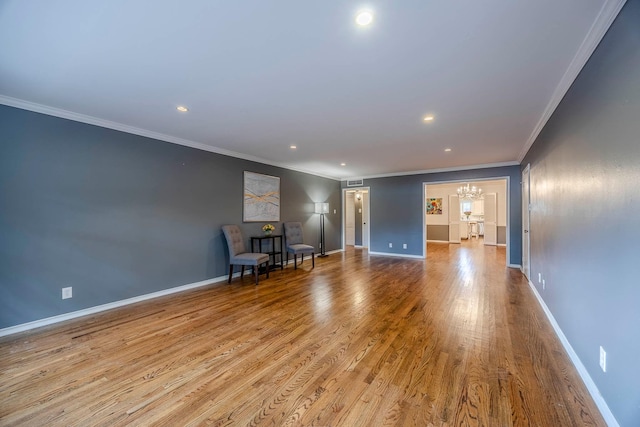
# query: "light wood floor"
[[455, 340]]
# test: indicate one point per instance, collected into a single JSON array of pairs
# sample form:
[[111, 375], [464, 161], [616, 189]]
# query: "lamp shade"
[[322, 208]]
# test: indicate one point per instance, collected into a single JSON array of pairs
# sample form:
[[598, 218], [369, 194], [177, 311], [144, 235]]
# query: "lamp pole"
[[322, 208], [322, 249]]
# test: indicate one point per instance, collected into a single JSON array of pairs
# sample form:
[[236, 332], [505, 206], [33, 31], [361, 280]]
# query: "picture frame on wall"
[[434, 206], [261, 198]]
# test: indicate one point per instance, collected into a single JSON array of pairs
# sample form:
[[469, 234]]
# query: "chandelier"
[[470, 192]]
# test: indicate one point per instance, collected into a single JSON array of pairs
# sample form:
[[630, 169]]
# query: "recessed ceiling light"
[[447, 149], [428, 118], [343, 164], [364, 18], [182, 109], [293, 147]]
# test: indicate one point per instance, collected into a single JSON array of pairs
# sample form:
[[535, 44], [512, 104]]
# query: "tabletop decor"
[[268, 229]]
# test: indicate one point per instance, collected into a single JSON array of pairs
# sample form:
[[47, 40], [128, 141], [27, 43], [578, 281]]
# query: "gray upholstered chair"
[[238, 254], [293, 240]]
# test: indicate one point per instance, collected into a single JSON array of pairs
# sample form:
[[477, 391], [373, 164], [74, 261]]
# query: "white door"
[[526, 208], [350, 219], [454, 219], [490, 219], [365, 219]]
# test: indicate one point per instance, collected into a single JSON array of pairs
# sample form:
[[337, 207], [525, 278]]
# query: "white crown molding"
[[427, 171], [603, 21], [82, 118]]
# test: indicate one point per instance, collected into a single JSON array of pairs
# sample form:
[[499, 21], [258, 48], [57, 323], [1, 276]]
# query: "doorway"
[[356, 220], [526, 209], [450, 219]]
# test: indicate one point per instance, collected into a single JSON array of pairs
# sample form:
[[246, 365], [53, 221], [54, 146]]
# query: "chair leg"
[[287, 257], [295, 261], [256, 270], [230, 272], [267, 269], [313, 260], [301, 258], [241, 272]]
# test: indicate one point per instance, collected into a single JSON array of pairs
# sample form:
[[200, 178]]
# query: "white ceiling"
[[258, 76]]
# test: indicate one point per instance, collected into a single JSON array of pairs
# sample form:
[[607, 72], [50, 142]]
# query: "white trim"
[[335, 251], [504, 245], [343, 201], [97, 309], [396, 255], [82, 118], [428, 171], [507, 178], [603, 21], [437, 241], [582, 371], [515, 266]]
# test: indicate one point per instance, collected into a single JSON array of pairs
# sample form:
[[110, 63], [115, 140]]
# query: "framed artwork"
[[434, 206], [261, 198]]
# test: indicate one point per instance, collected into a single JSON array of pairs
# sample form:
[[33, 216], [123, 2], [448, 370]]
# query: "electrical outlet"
[[603, 359], [335, 211], [539, 277], [544, 284], [404, 246], [67, 292], [390, 244]]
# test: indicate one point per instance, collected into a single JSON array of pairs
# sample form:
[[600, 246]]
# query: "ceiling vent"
[[355, 182]]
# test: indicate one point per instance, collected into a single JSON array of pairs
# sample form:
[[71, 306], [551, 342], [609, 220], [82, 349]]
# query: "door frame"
[[344, 213], [526, 227], [461, 181]]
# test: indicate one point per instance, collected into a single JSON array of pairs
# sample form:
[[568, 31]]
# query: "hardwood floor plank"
[[457, 339]]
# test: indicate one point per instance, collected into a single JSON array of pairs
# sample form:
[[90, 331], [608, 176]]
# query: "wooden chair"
[[293, 239], [238, 254]]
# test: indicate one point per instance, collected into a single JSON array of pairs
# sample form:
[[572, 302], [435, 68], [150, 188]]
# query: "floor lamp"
[[322, 208]]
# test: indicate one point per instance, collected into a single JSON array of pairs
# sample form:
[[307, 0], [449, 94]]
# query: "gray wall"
[[441, 232], [438, 232], [397, 212], [502, 235], [585, 195], [117, 215]]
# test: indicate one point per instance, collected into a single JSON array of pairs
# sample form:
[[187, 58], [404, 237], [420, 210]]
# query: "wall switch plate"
[[539, 277], [390, 244], [335, 211], [404, 246], [67, 292], [603, 359], [544, 284]]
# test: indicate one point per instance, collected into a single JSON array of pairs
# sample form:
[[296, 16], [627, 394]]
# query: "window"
[[466, 206]]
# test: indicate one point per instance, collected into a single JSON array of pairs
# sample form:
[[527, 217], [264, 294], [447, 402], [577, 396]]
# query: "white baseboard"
[[396, 255], [335, 251], [518, 266], [438, 241], [582, 371], [97, 309]]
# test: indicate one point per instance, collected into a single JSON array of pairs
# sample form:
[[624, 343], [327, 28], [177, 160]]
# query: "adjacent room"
[[319, 214]]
